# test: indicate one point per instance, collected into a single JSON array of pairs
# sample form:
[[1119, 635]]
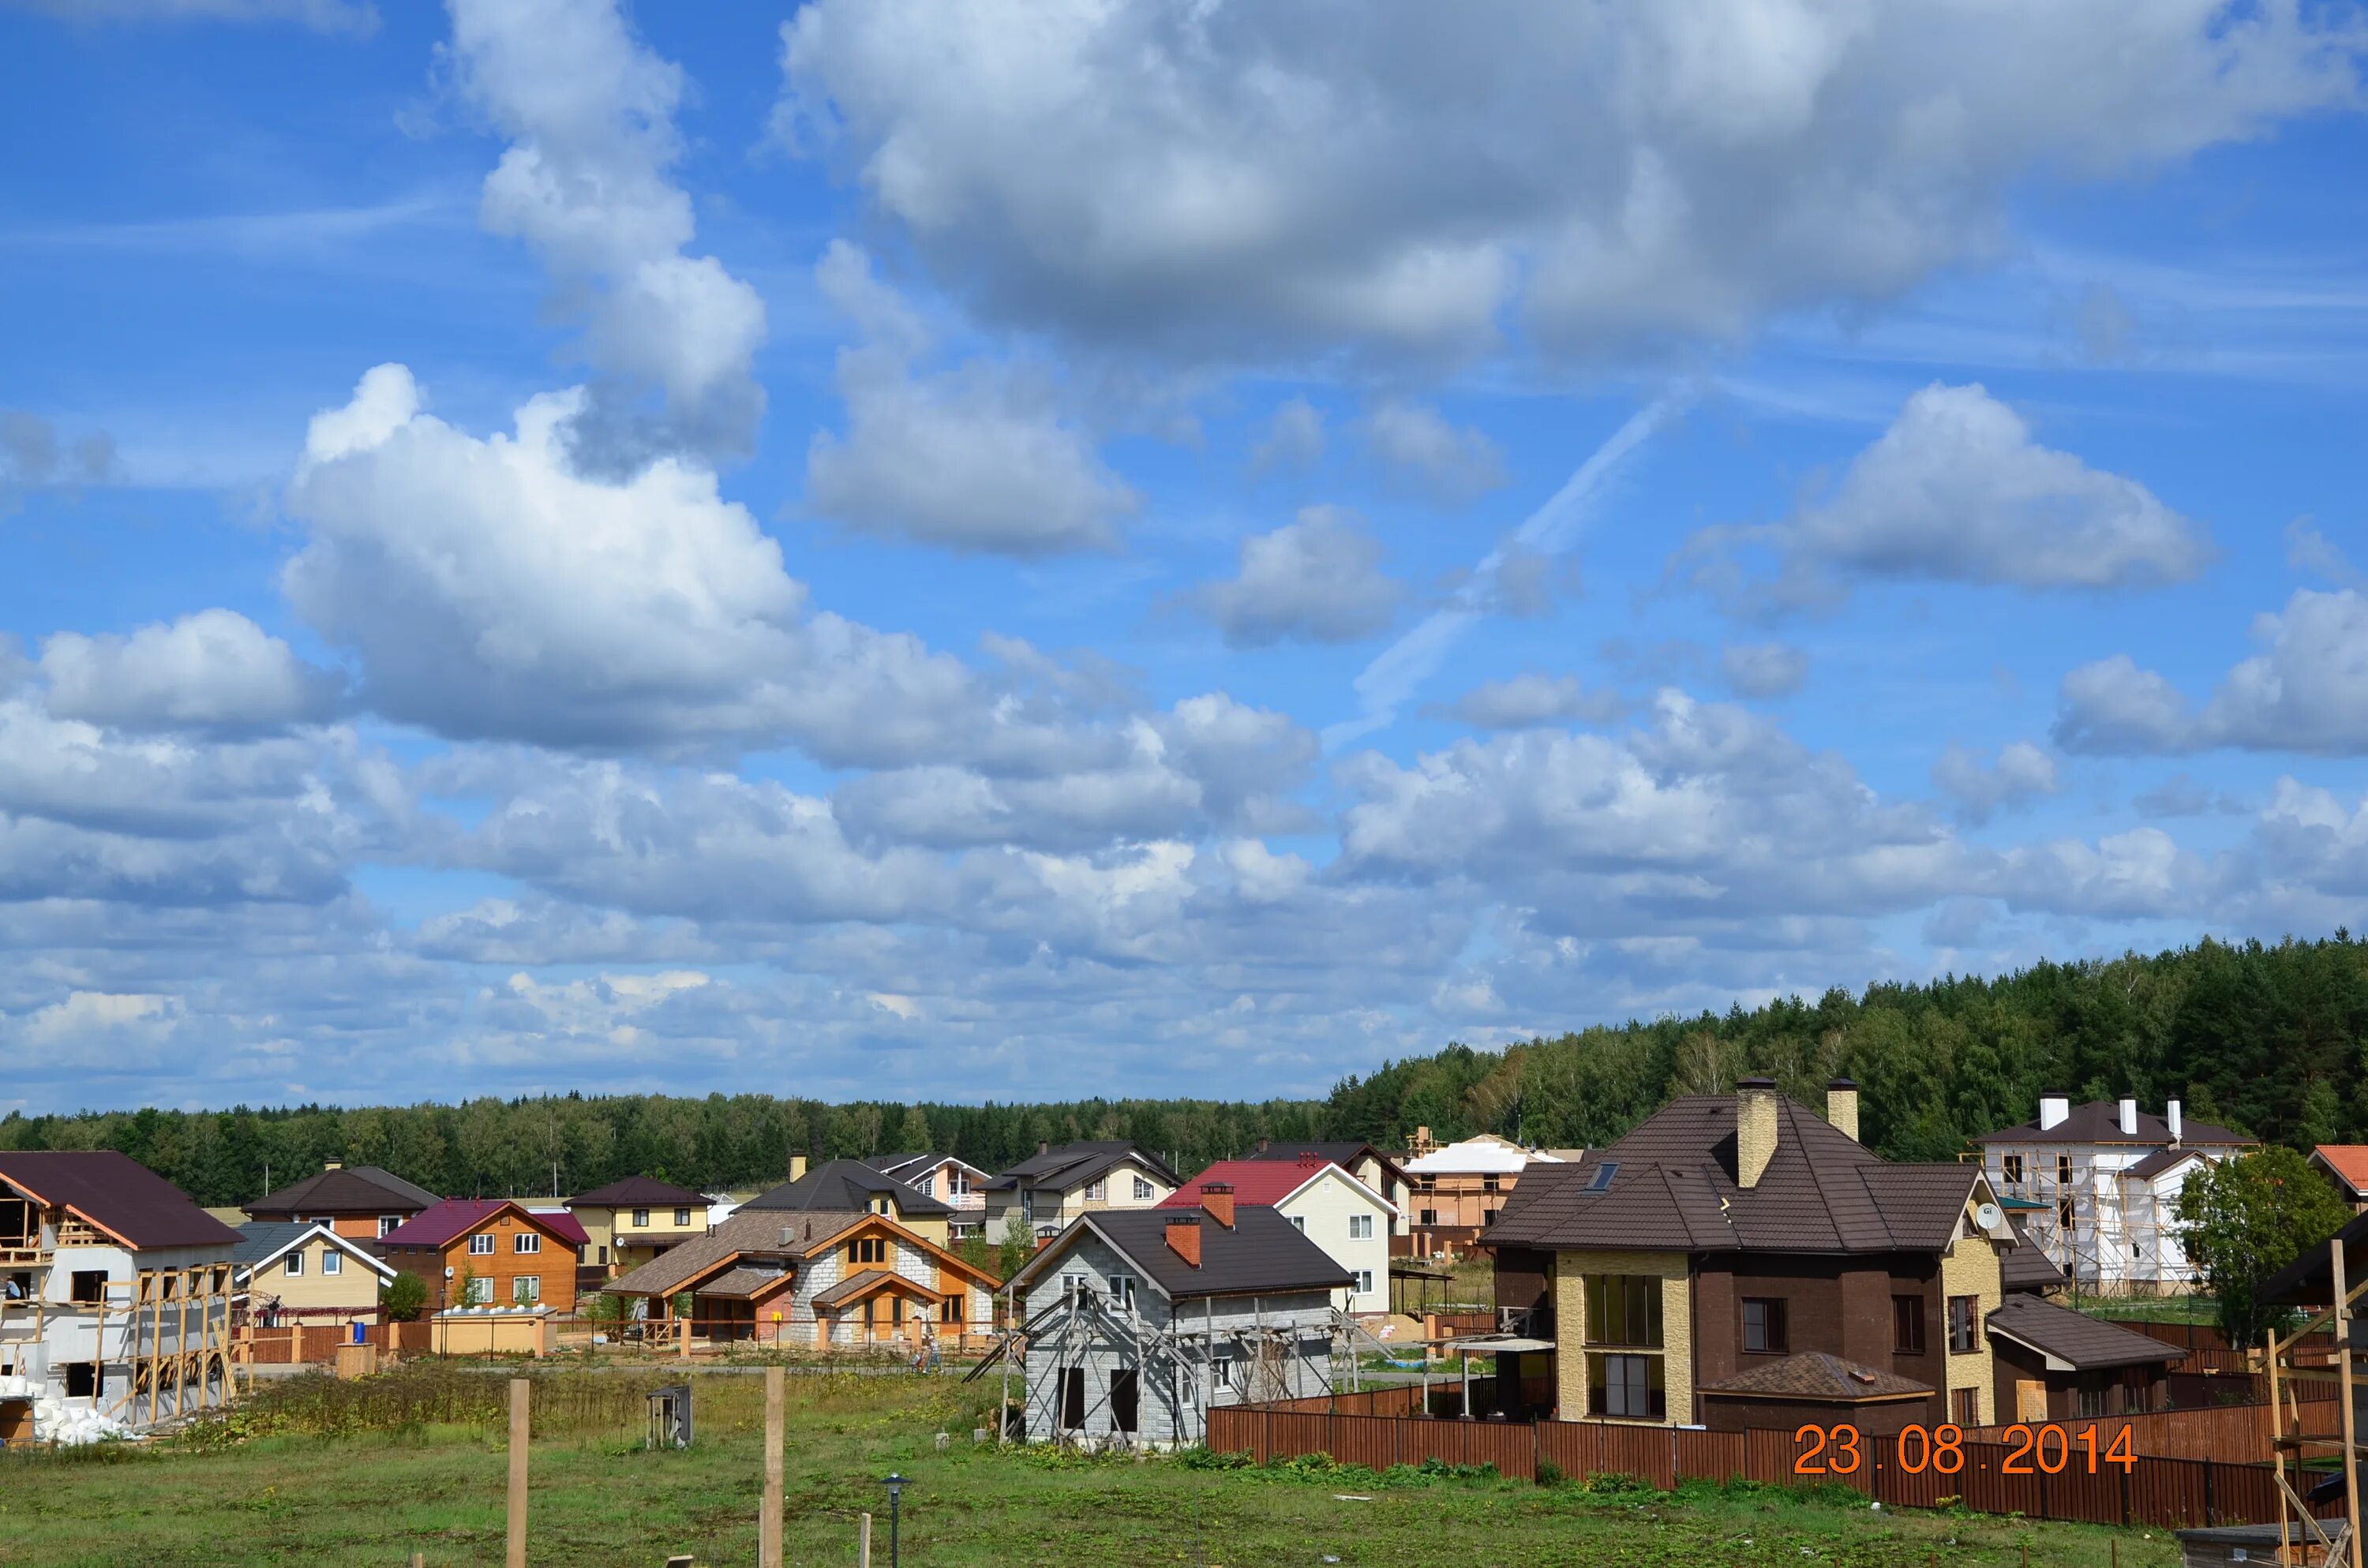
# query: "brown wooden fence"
[[2158, 1491]]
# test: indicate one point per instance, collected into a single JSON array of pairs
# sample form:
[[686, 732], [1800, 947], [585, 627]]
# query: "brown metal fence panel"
[[1291, 1433], [1768, 1454], [1233, 1430], [1511, 1447], [1574, 1447], [1711, 1456], [1894, 1483], [1447, 1441], [1367, 1440]]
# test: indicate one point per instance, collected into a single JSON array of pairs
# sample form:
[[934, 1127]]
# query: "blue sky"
[[871, 549]]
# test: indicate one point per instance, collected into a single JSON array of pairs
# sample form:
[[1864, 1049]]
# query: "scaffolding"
[[1176, 1358], [2312, 1354], [2080, 1208]]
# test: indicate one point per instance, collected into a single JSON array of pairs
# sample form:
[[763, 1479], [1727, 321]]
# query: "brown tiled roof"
[[2100, 1121], [1260, 1251], [1818, 1376], [761, 1235], [639, 1192], [119, 1195], [349, 1189], [741, 1283], [2161, 1160], [2025, 1268], [1673, 1189], [2088, 1343]]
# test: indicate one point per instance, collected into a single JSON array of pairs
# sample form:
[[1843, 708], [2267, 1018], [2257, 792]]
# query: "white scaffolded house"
[[1131, 1325], [115, 1296], [2095, 1187]]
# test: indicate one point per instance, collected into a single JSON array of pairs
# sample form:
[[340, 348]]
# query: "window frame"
[[292, 1265], [1907, 1311], [1098, 1190], [1143, 1191], [1123, 1289], [1774, 1329], [682, 1218], [526, 1243], [388, 1224], [332, 1262], [1361, 1227], [1640, 1297], [1969, 1331], [1364, 1285], [1639, 1379], [641, 1219], [486, 1250]]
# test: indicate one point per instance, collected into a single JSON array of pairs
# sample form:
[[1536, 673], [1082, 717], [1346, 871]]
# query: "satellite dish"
[[1988, 1217], [447, 1271]]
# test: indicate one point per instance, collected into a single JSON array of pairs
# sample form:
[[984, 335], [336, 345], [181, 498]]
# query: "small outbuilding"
[[2055, 1364]]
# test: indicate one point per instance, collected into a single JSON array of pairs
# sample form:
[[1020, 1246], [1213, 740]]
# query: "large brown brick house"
[[1738, 1261]]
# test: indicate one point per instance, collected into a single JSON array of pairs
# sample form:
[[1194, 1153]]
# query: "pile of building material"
[[55, 1421]]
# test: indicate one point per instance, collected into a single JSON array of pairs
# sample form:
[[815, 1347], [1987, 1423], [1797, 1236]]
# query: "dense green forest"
[[2271, 1039]]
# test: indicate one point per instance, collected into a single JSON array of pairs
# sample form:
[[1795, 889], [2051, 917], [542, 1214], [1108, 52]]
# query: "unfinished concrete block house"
[[115, 1289], [1738, 1261], [1137, 1322]]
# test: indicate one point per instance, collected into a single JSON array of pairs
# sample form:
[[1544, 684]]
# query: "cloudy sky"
[[1053, 547]]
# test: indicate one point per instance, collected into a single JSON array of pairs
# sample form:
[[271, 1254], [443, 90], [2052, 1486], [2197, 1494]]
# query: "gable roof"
[[1344, 1154], [568, 1228], [2348, 1163], [2025, 1268], [905, 1167], [2100, 1121], [455, 1217], [1483, 1154], [1066, 1165], [1266, 1183], [346, 1189], [261, 1243], [2162, 1160], [745, 1234], [1815, 1375], [2082, 1342], [841, 1185], [1262, 1251], [117, 1194], [1671, 1188], [639, 1192]]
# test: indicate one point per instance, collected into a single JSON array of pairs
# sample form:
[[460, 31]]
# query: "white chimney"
[[2170, 1115], [2129, 1119], [2053, 1109]]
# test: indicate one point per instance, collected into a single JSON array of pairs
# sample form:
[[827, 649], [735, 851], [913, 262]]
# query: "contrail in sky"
[[1398, 670]]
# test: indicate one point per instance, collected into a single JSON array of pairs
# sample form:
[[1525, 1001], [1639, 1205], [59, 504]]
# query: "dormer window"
[[1097, 1191]]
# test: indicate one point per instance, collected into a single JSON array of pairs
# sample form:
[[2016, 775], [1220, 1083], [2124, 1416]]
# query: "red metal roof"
[[2349, 1161], [1260, 1184], [456, 1217]]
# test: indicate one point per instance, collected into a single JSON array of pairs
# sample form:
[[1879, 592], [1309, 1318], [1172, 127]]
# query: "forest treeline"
[[2271, 1039]]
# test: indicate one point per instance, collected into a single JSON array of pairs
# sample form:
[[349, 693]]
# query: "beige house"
[[627, 1222], [1059, 1183], [290, 1272], [1337, 1211], [958, 1184]]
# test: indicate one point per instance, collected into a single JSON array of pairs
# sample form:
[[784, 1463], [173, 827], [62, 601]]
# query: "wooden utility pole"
[[521, 1429], [769, 1523]]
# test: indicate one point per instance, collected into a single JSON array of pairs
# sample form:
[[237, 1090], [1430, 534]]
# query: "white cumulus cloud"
[[213, 670], [1318, 579]]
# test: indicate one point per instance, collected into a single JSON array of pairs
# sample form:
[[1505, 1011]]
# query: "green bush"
[[404, 1297]]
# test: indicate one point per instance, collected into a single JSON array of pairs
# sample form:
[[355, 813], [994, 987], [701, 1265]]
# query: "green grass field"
[[271, 1488]]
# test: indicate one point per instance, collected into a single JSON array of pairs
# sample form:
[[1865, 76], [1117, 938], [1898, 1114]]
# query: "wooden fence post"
[[521, 1429], [863, 1542], [769, 1523]]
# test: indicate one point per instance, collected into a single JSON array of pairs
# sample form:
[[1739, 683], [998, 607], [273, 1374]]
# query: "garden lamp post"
[[896, 1484]]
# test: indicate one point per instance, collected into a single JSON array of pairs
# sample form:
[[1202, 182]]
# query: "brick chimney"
[[1043, 1148], [1184, 1236], [1755, 1129], [1217, 1202], [1841, 1107]]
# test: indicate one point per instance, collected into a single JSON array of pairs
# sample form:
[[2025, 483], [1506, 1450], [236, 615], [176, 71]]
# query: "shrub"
[[404, 1297]]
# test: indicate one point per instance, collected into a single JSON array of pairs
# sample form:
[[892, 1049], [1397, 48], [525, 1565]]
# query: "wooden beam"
[[769, 1523], [521, 1429], [2343, 1349]]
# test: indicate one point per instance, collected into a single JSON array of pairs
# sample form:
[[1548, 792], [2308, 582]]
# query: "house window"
[[951, 1309], [84, 1380], [1299, 1224], [481, 1245], [641, 1218], [332, 1261], [879, 1204], [294, 1264], [927, 1186], [526, 1290], [1964, 1323], [2011, 1170], [480, 1293], [1221, 1372], [957, 1185], [89, 1287], [526, 1241], [604, 1254], [1624, 1309], [1628, 1387], [1096, 1192], [1429, 1217], [1123, 1290], [1073, 1284], [681, 1218], [2064, 1170], [2063, 1214], [867, 1249], [387, 1223], [1142, 1190], [1487, 1184], [1907, 1325], [1028, 1207], [1364, 1282], [1966, 1405], [2089, 1399], [1763, 1324], [1361, 1227]]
